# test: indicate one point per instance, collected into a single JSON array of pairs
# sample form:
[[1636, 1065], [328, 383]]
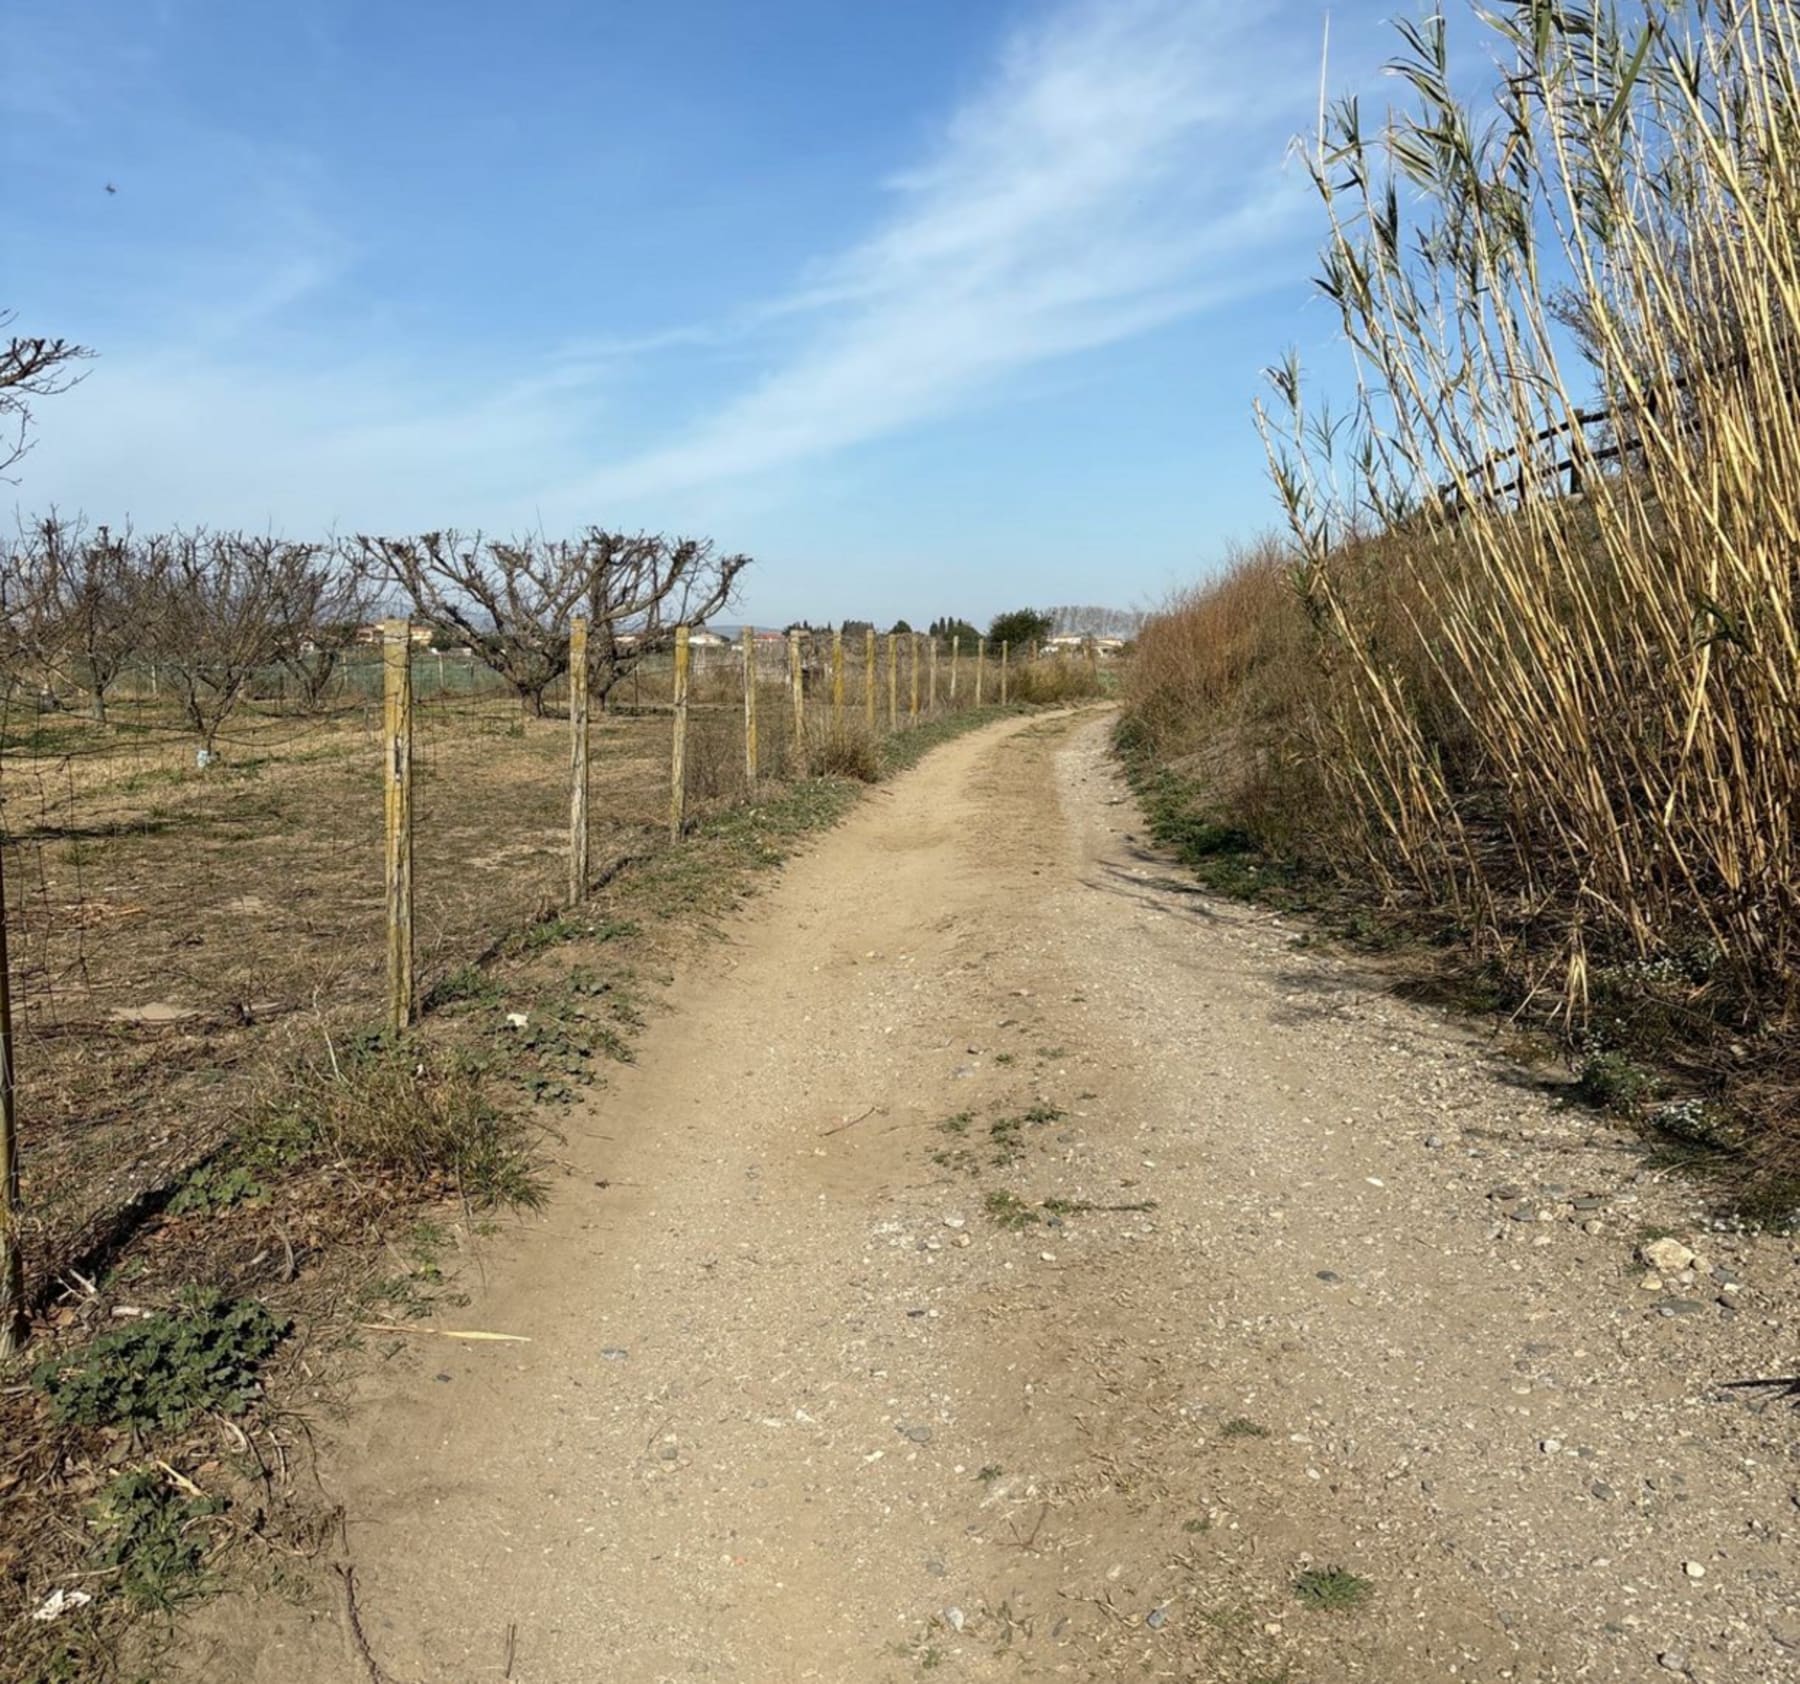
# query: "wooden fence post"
[[578, 760], [893, 664], [980, 666], [931, 691], [1093, 658], [869, 677], [955, 662], [837, 681], [396, 660], [678, 745], [797, 677], [14, 1328], [750, 707], [1004, 649], [912, 706]]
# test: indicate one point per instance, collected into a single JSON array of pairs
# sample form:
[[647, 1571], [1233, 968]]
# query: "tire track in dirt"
[[797, 1406]]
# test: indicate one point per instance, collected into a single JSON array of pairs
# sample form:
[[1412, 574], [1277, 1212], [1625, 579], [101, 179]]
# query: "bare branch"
[[30, 367]]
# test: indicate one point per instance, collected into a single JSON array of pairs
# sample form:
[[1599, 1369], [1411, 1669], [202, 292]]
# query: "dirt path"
[[796, 1406]]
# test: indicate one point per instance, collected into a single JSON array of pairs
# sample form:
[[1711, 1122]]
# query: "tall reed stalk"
[[1559, 655]]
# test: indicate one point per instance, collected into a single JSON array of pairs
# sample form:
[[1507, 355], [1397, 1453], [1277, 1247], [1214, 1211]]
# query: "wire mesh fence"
[[185, 915]]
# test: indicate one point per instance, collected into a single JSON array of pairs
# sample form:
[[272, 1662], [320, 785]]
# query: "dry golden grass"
[[1052, 680], [182, 938], [1224, 687], [844, 748], [177, 933]]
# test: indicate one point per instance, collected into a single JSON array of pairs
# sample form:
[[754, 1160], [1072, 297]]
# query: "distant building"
[[1070, 643]]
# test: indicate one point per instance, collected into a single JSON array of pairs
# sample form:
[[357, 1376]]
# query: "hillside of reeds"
[[1522, 672]]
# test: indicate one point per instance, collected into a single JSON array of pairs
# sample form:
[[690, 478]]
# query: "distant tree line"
[[1022, 628], [80, 605], [1093, 621]]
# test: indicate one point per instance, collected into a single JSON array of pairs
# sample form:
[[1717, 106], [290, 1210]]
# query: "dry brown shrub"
[[844, 749], [1053, 679]]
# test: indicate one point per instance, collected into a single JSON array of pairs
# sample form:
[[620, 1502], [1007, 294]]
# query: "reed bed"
[[1528, 653]]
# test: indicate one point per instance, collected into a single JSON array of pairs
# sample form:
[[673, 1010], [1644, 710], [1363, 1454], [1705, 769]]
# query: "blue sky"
[[937, 306]]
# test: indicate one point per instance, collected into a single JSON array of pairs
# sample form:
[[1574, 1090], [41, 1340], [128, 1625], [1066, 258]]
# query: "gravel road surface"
[[1005, 1262]]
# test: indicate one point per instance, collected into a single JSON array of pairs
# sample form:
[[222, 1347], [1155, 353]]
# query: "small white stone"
[[1666, 1256], [1693, 1569]]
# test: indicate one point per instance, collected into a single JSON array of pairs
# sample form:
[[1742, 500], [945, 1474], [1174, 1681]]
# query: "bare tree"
[[643, 590], [326, 593], [513, 601], [19, 583], [30, 367], [222, 610], [87, 600]]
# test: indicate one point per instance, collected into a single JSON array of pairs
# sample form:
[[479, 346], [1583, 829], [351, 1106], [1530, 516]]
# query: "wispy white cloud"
[[1118, 171]]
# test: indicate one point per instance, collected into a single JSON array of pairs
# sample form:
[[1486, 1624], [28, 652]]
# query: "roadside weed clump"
[[1004, 1134], [467, 983], [154, 1536], [423, 1116], [421, 1287], [1609, 1081], [1008, 1210], [1332, 1589], [164, 1370], [843, 749], [215, 1187]]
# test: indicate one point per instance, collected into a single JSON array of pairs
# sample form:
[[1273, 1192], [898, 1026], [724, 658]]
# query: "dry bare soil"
[[1005, 1262]]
